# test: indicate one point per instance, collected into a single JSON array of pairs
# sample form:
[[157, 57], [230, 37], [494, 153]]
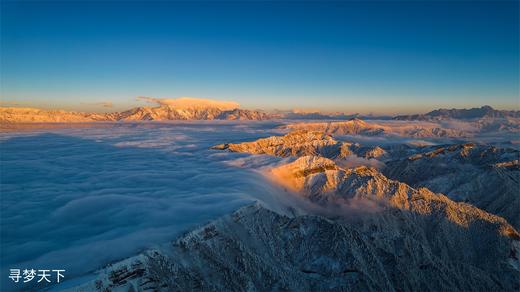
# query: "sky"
[[351, 56]]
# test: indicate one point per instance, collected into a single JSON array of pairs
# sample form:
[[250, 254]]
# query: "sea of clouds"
[[80, 197]]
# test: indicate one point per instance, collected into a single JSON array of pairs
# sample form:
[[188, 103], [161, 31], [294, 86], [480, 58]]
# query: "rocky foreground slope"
[[256, 249], [485, 176]]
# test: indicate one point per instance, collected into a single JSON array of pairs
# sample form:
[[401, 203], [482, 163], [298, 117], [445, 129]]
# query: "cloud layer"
[[80, 198]]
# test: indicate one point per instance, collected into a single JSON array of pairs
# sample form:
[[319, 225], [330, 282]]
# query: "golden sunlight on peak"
[[192, 103]]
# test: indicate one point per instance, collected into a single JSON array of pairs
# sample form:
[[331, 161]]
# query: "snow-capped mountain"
[[297, 143], [303, 143], [159, 113], [168, 112]]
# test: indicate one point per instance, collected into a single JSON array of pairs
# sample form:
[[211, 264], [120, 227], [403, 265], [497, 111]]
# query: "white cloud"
[[79, 198]]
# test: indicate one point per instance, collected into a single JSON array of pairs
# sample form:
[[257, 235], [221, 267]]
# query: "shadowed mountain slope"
[[485, 176], [256, 249]]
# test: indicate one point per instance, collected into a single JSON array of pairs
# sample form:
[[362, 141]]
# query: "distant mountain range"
[[195, 109], [167, 112], [462, 114], [359, 127], [159, 113]]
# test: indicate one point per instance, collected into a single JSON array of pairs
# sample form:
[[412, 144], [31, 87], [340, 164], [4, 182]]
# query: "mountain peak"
[[191, 103]]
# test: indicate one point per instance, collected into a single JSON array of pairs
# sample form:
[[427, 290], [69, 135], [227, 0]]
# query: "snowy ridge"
[[302, 143], [256, 249]]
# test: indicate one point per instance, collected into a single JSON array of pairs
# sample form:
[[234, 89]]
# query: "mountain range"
[[159, 113], [357, 126], [485, 176], [473, 113], [201, 109]]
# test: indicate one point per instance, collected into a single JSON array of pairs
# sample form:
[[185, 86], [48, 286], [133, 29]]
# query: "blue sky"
[[381, 57]]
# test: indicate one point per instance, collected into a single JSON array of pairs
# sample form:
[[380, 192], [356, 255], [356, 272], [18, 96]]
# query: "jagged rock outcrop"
[[256, 249], [303, 142], [297, 143], [485, 176]]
